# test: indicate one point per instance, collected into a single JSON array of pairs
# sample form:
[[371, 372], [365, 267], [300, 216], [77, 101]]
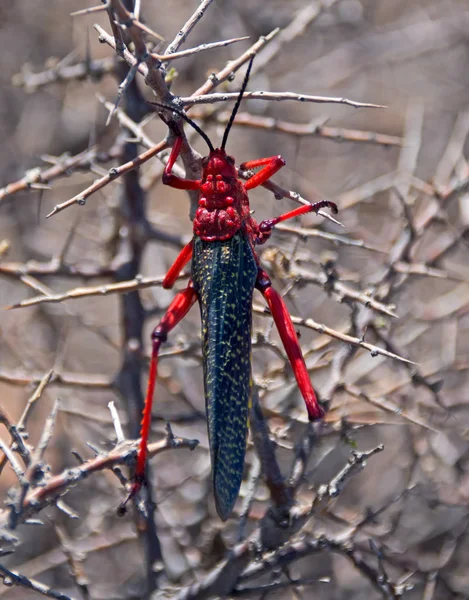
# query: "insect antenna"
[[187, 119], [238, 102]]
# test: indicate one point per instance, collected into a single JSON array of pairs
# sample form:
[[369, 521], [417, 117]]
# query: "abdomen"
[[224, 274]]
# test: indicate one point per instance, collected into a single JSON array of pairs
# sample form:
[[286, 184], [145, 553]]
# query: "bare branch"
[[14, 578], [113, 174], [87, 69], [188, 27], [57, 485], [343, 337], [313, 129], [62, 167], [116, 422], [274, 97], [123, 287], [225, 74]]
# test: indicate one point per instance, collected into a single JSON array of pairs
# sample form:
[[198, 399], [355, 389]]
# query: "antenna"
[[188, 120], [238, 102]]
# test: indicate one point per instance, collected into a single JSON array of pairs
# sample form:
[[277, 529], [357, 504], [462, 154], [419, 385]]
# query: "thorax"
[[223, 208]]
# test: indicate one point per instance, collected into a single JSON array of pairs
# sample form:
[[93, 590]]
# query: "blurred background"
[[400, 177]]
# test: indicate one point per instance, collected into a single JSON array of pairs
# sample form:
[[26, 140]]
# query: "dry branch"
[[402, 253]]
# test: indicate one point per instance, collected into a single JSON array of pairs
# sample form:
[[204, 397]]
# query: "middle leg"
[[269, 165]]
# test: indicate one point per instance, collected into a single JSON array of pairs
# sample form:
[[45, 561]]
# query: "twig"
[[274, 97], [14, 578], [425, 270], [123, 287], [18, 443], [116, 422], [343, 337], [430, 585], [57, 485], [130, 21], [92, 69], [356, 462], [144, 62], [53, 267], [265, 589], [123, 87], [188, 27], [253, 479], [227, 72], [367, 190], [197, 49], [338, 240], [298, 549], [453, 151], [46, 436], [388, 406], [91, 10], [341, 291], [338, 134], [79, 380], [18, 470], [113, 174], [129, 58], [62, 166]]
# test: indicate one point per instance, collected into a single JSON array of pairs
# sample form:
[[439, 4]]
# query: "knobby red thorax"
[[223, 202]]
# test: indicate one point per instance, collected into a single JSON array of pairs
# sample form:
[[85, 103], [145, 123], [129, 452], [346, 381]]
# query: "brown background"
[[411, 56]]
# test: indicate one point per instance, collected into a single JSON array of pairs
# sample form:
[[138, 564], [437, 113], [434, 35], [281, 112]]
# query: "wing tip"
[[224, 502], [225, 495]]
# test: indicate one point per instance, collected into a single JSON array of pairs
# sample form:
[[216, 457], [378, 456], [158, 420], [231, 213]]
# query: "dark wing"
[[224, 274]]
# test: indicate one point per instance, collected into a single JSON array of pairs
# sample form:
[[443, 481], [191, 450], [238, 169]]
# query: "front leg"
[[173, 180], [270, 166], [265, 227]]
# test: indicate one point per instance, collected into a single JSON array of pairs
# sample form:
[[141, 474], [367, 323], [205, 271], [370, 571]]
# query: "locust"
[[225, 271]]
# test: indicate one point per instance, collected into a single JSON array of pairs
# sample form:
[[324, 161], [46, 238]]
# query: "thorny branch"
[[291, 518], [54, 487]]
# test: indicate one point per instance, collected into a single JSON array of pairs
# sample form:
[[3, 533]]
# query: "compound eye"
[[231, 160]]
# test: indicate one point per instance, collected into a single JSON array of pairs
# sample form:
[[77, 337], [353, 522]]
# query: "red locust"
[[225, 271]]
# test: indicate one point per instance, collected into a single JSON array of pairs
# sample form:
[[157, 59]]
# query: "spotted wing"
[[224, 274]]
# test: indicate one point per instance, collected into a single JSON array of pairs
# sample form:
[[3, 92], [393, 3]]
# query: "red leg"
[[180, 262], [173, 180], [289, 339], [265, 227], [270, 166], [177, 310]]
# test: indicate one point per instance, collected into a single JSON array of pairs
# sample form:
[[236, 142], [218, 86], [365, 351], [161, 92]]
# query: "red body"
[[223, 202], [223, 211]]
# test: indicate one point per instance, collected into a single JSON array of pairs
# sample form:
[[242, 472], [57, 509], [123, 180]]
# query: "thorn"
[[88, 11], [53, 211], [34, 522], [94, 448], [326, 215], [77, 456]]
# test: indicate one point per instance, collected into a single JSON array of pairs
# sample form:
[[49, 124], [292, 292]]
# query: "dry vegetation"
[[372, 503]]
